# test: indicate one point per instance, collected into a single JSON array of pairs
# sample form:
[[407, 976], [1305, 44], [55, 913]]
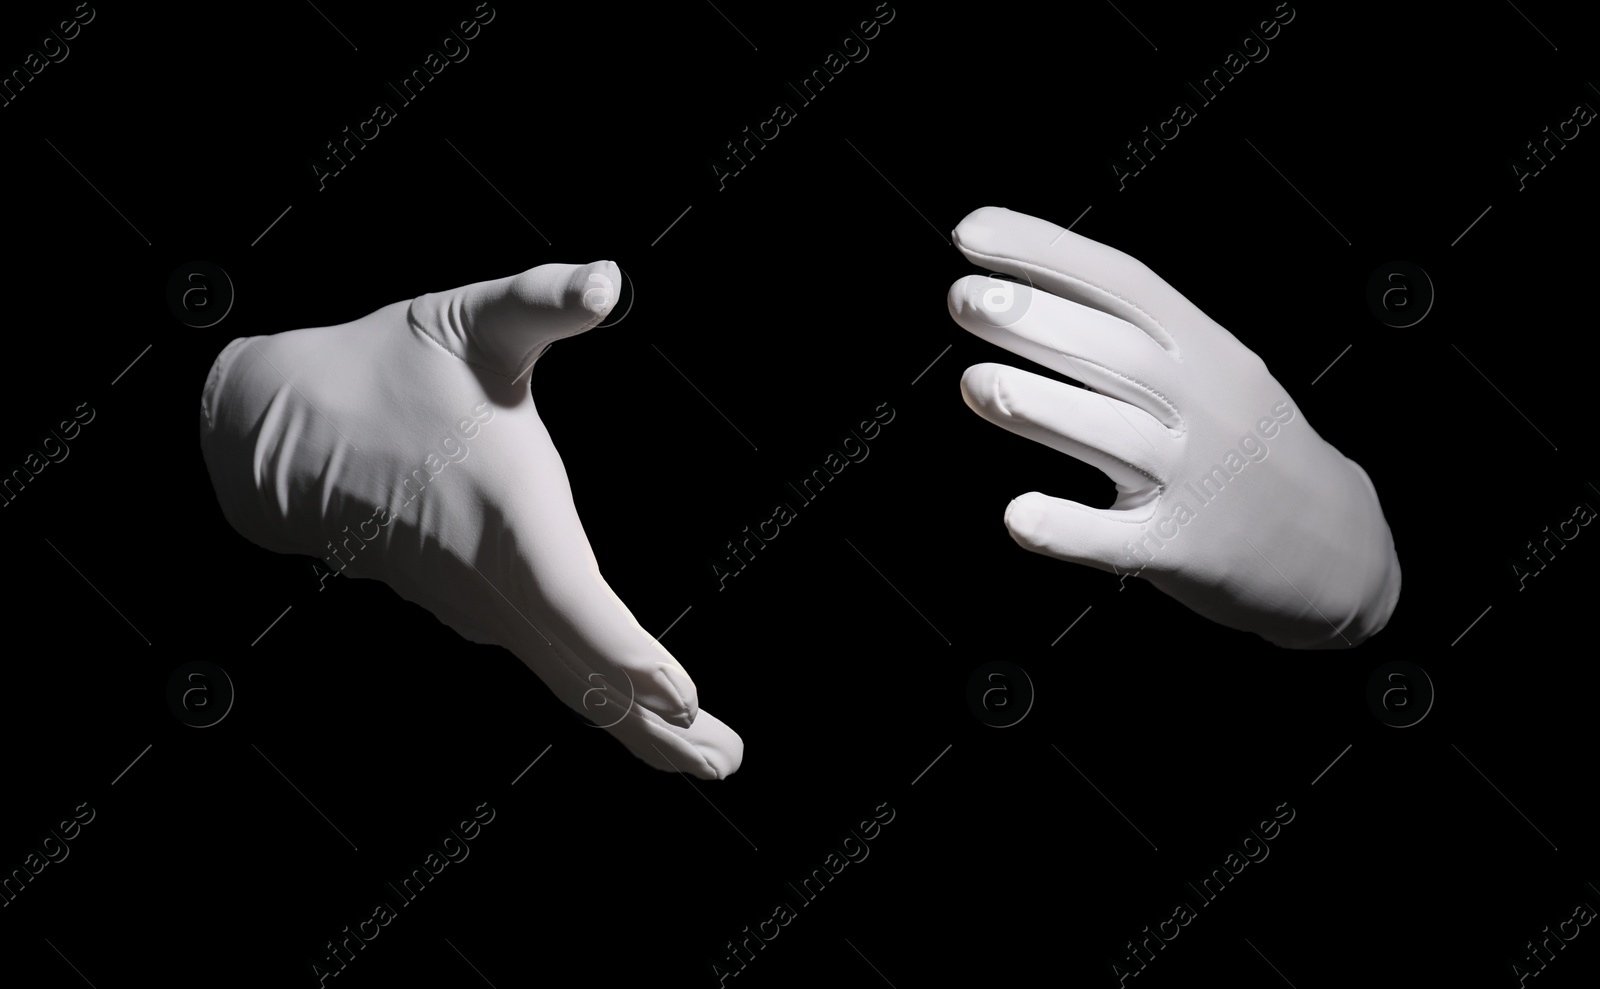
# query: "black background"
[[798, 298]]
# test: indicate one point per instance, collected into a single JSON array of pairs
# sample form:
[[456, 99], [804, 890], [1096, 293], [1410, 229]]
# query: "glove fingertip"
[[1025, 520], [595, 288]]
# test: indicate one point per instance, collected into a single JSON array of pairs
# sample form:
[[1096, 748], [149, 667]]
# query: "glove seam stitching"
[[1183, 426], [214, 379], [1173, 350], [411, 317], [522, 365]]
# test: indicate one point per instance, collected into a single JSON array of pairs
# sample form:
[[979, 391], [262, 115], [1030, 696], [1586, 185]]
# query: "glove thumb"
[[504, 325]]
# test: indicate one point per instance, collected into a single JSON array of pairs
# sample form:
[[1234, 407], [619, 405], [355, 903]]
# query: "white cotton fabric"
[[1227, 499], [406, 447]]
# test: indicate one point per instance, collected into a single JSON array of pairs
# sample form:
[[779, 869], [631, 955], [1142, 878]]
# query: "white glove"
[[1227, 499], [405, 447]]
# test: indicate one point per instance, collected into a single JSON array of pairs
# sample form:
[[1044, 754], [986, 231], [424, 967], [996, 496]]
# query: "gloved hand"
[[1227, 499], [405, 447]]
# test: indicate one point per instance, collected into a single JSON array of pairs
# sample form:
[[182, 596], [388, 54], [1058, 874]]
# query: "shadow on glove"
[[406, 447]]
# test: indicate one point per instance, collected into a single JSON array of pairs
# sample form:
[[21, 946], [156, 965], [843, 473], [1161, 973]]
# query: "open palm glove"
[[1227, 499]]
